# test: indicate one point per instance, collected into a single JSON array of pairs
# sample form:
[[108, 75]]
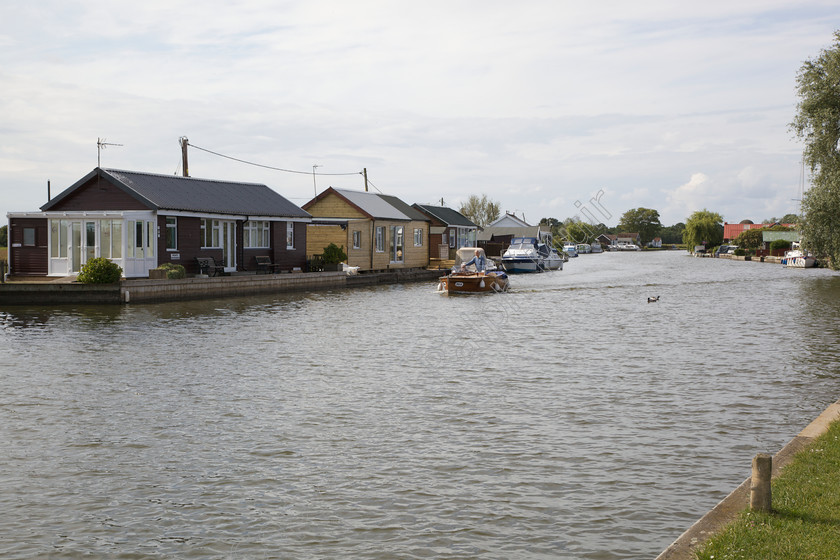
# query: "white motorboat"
[[596, 247], [554, 260], [795, 258], [628, 247], [570, 249], [584, 248], [525, 254]]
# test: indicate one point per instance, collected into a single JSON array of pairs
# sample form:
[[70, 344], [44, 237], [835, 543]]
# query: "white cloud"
[[535, 104]]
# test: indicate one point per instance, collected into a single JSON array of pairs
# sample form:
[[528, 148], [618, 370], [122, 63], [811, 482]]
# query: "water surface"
[[568, 418]]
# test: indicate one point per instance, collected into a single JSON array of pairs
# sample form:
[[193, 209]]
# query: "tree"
[[4, 236], [789, 219], [643, 221], [672, 234], [703, 227], [750, 238], [817, 123], [480, 211]]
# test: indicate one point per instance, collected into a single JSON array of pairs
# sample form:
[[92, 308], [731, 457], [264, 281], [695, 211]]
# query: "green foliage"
[[99, 271], [4, 236], [644, 221], [333, 254], [173, 271], [672, 234], [750, 239], [703, 226], [481, 211], [817, 123], [739, 252], [779, 244], [576, 231]]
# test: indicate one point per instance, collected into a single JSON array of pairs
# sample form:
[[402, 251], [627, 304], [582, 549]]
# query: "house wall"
[[27, 260], [98, 194], [189, 246], [333, 206]]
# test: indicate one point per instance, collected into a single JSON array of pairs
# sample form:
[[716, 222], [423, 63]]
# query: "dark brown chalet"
[[142, 220]]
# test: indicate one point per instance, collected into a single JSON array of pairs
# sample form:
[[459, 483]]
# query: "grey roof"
[[770, 236], [412, 213], [373, 204], [188, 194], [446, 215]]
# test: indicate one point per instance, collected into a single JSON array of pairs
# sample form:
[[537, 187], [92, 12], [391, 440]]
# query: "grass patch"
[[805, 522], [4, 253]]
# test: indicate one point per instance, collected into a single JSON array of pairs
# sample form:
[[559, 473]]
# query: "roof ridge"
[[166, 176]]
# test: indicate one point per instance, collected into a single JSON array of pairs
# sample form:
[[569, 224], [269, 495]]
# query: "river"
[[567, 419]]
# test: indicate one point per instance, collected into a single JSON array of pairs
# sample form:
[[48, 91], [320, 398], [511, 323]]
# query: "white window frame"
[[256, 234], [357, 239], [418, 237], [380, 239], [290, 235], [171, 233]]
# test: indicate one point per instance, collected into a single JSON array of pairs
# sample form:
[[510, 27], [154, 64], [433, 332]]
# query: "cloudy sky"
[[541, 105]]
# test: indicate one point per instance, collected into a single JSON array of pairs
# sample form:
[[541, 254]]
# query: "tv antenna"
[[100, 145]]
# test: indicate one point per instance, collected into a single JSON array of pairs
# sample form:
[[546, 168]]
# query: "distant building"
[[731, 231]]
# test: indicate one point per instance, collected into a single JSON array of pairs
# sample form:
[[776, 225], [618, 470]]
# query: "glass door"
[[90, 241], [229, 245]]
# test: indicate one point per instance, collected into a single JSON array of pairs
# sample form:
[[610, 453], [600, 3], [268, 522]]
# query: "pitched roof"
[[446, 215], [189, 194]]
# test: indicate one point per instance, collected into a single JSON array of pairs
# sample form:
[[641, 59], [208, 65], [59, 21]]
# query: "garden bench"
[[265, 265], [209, 266]]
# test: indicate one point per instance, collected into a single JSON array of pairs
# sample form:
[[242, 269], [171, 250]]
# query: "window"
[[256, 235], [171, 233], [418, 237], [29, 236], [397, 244], [290, 235], [357, 239], [380, 239], [453, 237], [211, 234]]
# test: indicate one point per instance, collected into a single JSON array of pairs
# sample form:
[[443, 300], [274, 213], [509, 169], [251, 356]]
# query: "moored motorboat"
[[596, 247], [584, 248], [525, 254], [554, 260], [570, 249], [795, 258]]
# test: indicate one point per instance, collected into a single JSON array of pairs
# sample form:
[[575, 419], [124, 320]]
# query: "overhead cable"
[[267, 166]]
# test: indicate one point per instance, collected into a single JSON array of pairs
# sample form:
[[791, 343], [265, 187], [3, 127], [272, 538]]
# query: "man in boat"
[[479, 260]]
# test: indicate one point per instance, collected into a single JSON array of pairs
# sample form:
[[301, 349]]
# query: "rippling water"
[[565, 419]]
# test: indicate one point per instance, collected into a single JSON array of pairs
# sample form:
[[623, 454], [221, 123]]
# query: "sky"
[[550, 108]]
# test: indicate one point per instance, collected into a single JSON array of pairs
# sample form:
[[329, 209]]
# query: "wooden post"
[[2, 272], [185, 164], [760, 493]]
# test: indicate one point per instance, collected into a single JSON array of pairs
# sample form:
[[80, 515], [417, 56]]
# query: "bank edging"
[[728, 509]]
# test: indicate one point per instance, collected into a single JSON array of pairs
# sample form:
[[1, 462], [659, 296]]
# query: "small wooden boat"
[[473, 282]]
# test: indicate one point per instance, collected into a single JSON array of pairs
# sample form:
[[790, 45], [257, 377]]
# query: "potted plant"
[[169, 271], [333, 256]]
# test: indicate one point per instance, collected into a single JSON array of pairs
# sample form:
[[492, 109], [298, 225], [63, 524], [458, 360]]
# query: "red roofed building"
[[731, 231]]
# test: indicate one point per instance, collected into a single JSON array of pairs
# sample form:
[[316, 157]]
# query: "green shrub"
[[173, 271], [334, 254], [740, 252], [99, 271], [779, 244]]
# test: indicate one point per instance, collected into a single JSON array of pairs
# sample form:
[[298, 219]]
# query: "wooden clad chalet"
[[378, 232], [141, 220], [449, 230]]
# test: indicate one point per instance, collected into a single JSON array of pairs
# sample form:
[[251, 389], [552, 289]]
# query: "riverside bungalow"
[[141, 220], [378, 232], [449, 230]]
